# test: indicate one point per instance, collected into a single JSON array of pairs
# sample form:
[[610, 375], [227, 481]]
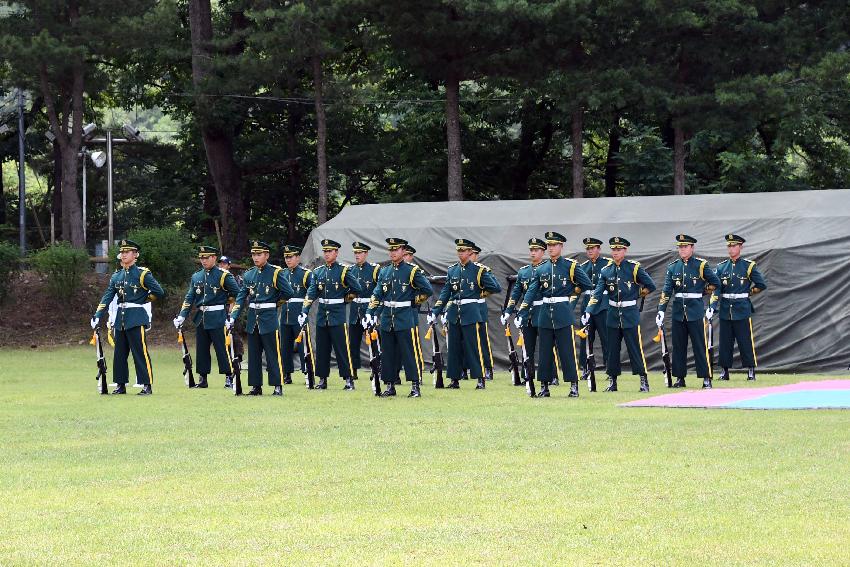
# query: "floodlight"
[[98, 158]]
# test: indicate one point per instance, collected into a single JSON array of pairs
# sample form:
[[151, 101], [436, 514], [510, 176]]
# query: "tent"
[[798, 239]]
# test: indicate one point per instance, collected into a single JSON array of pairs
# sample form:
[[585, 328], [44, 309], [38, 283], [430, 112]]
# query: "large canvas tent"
[[799, 240]]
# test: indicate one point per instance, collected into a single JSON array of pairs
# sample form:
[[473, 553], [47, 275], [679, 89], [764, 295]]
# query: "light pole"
[[98, 159], [131, 135], [22, 179]]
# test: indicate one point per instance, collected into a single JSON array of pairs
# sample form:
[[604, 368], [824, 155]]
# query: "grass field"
[[456, 477]]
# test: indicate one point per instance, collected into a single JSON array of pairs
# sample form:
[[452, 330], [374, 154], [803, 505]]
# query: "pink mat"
[[717, 397]]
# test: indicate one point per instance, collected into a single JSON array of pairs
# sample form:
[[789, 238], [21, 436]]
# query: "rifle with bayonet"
[[513, 358], [235, 362], [665, 356], [373, 341], [101, 361], [309, 368], [437, 363], [187, 359]]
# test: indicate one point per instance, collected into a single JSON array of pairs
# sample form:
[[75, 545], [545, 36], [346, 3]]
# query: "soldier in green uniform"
[[524, 277], [134, 287], [626, 282], [484, 330], [553, 285], [409, 257], [299, 279], [263, 286], [739, 279], [210, 288], [592, 266], [332, 283], [465, 282], [399, 288], [687, 281], [366, 274]]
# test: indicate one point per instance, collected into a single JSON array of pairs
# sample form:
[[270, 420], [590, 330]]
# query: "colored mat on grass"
[[823, 394]]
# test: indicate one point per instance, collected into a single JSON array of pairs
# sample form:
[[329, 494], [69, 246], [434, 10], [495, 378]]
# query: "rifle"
[[528, 372], [374, 344], [437, 365], [235, 363], [101, 361], [308, 355], [513, 358], [665, 356], [710, 332], [187, 359]]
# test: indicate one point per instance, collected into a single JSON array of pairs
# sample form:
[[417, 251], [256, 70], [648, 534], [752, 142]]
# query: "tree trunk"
[[678, 160], [218, 142], [3, 214], [294, 197], [612, 166], [321, 140], [454, 179], [578, 161]]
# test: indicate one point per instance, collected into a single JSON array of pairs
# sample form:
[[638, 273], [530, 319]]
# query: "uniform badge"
[[524, 286], [677, 282], [725, 281], [384, 287], [545, 284], [198, 291], [321, 286], [454, 287], [612, 288]]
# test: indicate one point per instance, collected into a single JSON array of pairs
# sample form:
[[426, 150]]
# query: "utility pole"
[[22, 182]]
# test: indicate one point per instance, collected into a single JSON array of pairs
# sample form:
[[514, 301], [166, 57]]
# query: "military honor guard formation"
[[559, 305]]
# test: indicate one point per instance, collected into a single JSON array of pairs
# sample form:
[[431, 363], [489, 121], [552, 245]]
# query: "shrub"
[[63, 266], [167, 253], [9, 265]]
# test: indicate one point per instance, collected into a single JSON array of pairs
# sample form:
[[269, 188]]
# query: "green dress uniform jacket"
[[330, 286], [523, 279], [366, 275], [299, 279], [396, 293], [738, 281], [593, 269], [209, 291], [134, 287], [685, 285], [551, 289], [623, 285], [464, 287], [264, 288]]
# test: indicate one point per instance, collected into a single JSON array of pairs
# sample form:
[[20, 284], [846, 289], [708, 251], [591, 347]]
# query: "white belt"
[[331, 301], [468, 301], [211, 307], [129, 305], [295, 300], [536, 303], [622, 303], [555, 299], [262, 305], [362, 299], [735, 295], [689, 295], [396, 304], [590, 292]]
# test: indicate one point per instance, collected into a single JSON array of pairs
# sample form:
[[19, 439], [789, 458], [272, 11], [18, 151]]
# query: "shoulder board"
[[673, 262], [224, 271], [637, 264], [452, 265], [480, 265], [373, 264], [308, 270], [344, 265], [746, 260], [701, 259], [198, 271], [574, 261], [585, 262], [524, 267]]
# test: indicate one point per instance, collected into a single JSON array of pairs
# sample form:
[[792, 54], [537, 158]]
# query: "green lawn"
[[456, 477]]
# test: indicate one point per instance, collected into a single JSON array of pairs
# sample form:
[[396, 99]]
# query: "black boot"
[[146, 390], [322, 384], [706, 383], [414, 391], [397, 381], [354, 375], [480, 385], [464, 375], [454, 385], [724, 374], [679, 383], [612, 384], [278, 391], [349, 384], [644, 383], [573, 390], [751, 373], [287, 378], [256, 391], [488, 374], [390, 391], [202, 383], [544, 390], [120, 389], [228, 381], [554, 381]]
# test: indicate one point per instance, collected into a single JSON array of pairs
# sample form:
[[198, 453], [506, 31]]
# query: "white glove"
[[504, 319], [178, 321], [659, 319], [228, 323], [302, 318], [709, 313], [518, 322], [444, 319], [585, 318], [430, 318], [93, 322]]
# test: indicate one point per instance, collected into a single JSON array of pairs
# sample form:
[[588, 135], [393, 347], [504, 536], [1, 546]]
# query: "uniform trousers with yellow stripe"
[[258, 343], [560, 343], [203, 361], [681, 331], [401, 345], [631, 336], [288, 346], [464, 343], [740, 331], [127, 341], [338, 338]]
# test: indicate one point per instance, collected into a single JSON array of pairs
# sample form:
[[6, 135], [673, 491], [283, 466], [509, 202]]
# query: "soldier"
[[332, 283], [134, 287], [465, 281], [399, 288], [739, 279], [687, 281], [484, 330], [524, 277], [299, 279], [238, 348], [553, 284], [366, 274], [409, 252], [592, 266], [625, 281], [209, 291], [264, 286]]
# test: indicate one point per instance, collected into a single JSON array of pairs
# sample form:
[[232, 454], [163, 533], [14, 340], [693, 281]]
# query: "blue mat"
[[806, 399]]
